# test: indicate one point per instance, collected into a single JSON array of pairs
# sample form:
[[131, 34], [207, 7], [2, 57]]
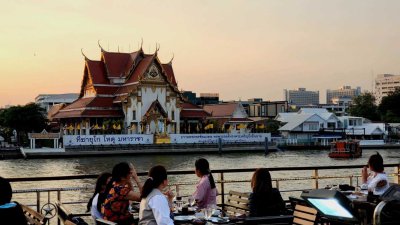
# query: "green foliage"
[[364, 106], [272, 126], [23, 119], [390, 107]]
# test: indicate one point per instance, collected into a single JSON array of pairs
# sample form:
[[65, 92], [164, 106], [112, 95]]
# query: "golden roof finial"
[[98, 42], [86, 58]]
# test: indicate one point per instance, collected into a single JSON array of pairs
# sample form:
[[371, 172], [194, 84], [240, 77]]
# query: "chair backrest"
[[104, 222], [63, 213], [237, 202], [304, 215], [33, 217]]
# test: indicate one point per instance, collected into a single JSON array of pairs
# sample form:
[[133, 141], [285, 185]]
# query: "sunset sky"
[[240, 49]]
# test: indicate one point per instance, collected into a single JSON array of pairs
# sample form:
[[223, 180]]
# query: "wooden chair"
[[104, 222], [63, 213], [275, 220], [33, 217], [237, 202], [304, 215]]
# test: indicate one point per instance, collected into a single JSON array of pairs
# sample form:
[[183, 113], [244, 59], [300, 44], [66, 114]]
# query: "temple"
[[131, 93]]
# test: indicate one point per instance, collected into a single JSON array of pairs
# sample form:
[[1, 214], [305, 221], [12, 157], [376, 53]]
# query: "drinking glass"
[[208, 212], [191, 201]]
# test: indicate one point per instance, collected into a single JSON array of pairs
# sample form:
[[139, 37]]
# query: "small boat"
[[345, 149]]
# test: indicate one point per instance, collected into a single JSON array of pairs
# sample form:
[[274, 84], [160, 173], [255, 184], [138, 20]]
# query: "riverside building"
[[301, 97], [344, 91], [130, 93], [384, 84]]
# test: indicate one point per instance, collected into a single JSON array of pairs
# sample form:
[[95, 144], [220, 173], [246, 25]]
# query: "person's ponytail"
[[147, 188], [211, 179], [203, 167], [157, 175]]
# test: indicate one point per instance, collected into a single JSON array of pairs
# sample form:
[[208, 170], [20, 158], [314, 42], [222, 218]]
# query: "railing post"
[[277, 184], [59, 199], [351, 180], [38, 201], [221, 178], [315, 175], [397, 172]]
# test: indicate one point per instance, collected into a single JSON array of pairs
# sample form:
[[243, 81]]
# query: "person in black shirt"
[[10, 212], [265, 200]]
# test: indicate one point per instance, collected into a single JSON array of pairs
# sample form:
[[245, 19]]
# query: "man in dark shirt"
[[10, 212]]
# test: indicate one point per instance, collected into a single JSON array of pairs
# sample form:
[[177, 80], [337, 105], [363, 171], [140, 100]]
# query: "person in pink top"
[[206, 192]]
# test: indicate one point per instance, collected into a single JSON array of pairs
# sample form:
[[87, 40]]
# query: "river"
[[96, 165]]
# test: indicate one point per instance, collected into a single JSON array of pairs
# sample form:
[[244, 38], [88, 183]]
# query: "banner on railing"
[[121, 139], [213, 138]]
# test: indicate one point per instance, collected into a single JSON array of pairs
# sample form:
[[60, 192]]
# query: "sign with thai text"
[[123, 139], [213, 138]]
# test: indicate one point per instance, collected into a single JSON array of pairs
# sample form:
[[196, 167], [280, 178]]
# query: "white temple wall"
[[149, 96]]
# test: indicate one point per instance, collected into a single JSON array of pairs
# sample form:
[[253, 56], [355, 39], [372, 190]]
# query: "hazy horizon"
[[239, 49]]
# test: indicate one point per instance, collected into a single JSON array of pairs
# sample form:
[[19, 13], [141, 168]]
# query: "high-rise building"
[[384, 84], [344, 91], [301, 97]]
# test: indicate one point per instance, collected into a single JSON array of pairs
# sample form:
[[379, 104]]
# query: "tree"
[[364, 106], [390, 107], [23, 119]]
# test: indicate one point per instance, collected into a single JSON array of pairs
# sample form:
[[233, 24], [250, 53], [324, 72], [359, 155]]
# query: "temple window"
[[172, 115], [134, 115]]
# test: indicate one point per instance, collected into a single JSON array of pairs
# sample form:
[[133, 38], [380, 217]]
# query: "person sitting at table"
[[154, 206], [206, 191], [264, 200], [377, 180], [94, 206], [118, 192], [10, 212]]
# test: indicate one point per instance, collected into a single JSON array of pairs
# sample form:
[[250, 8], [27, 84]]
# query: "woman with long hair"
[[206, 191], [264, 200], [94, 206], [154, 206], [375, 181], [119, 191]]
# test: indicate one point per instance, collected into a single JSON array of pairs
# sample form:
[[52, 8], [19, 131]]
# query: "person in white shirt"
[[375, 181], [100, 187], [155, 205]]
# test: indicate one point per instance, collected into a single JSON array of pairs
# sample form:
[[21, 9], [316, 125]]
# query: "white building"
[[310, 124], [46, 101], [301, 97], [344, 91], [384, 84]]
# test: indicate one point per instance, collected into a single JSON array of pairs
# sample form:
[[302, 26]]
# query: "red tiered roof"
[[97, 72], [190, 110], [170, 73], [108, 95], [119, 64]]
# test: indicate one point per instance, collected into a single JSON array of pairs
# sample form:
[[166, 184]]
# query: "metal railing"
[[222, 181]]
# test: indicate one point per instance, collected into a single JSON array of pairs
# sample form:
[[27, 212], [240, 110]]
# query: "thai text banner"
[[127, 139], [213, 138]]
